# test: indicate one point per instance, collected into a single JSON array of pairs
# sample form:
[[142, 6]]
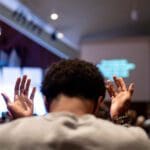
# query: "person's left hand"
[[120, 98]]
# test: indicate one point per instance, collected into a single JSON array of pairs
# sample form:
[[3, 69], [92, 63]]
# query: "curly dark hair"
[[74, 78]]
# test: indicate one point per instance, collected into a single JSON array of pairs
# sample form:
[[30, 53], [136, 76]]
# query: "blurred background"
[[112, 34]]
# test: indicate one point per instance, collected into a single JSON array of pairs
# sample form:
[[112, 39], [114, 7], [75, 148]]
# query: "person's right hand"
[[120, 97], [22, 106]]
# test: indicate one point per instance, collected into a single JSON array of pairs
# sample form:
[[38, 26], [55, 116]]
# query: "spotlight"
[[59, 35], [54, 16], [56, 35]]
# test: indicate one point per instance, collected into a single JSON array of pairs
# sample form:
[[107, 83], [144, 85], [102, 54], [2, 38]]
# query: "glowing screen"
[[118, 67]]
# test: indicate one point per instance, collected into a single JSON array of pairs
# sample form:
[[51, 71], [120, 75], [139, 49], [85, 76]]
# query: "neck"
[[76, 105]]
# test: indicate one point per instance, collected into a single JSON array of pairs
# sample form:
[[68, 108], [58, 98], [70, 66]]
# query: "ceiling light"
[[54, 16], [134, 15], [59, 35]]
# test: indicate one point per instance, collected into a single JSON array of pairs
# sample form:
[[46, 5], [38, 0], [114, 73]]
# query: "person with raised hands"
[[120, 97], [74, 90], [22, 106]]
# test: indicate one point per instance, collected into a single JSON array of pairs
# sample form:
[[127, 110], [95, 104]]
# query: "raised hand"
[[22, 106], [120, 97]]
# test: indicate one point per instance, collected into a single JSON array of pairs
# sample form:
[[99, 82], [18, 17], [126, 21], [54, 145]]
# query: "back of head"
[[74, 78]]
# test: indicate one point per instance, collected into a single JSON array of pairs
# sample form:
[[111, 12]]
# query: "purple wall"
[[31, 54]]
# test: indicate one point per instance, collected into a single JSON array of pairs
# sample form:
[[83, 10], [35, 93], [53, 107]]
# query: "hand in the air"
[[22, 106], [120, 97]]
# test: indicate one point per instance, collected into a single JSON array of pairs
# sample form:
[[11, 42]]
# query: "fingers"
[[122, 84], [131, 88], [17, 85], [121, 87], [8, 104], [117, 82], [110, 88], [33, 93], [26, 91], [6, 98], [22, 86]]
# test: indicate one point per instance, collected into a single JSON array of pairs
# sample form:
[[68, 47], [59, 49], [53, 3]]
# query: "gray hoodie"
[[65, 131]]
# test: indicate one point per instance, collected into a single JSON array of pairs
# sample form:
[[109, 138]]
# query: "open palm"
[[22, 106], [120, 98]]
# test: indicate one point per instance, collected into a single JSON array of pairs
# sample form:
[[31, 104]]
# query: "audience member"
[[74, 90]]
